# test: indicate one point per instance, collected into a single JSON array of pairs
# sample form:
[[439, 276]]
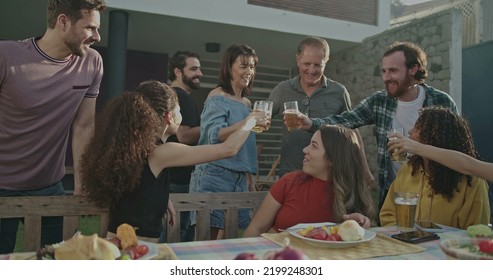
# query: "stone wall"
[[358, 68]]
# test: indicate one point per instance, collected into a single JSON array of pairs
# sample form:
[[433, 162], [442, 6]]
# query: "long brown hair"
[[351, 194], [230, 55], [126, 133], [443, 128]]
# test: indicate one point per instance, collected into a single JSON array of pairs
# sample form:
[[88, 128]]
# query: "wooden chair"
[[270, 178], [203, 203], [265, 182], [33, 208]]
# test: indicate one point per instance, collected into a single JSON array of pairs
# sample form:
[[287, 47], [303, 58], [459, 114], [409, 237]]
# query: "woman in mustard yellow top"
[[446, 196]]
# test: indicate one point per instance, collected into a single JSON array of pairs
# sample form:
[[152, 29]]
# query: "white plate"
[[464, 249], [369, 235], [153, 250]]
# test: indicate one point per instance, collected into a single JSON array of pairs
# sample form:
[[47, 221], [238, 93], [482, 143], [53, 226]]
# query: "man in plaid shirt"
[[403, 72]]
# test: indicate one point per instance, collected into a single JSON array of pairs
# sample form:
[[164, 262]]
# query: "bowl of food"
[[468, 248], [328, 235]]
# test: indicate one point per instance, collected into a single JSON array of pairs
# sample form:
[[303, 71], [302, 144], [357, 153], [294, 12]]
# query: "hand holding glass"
[[291, 113], [263, 106], [396, 156]]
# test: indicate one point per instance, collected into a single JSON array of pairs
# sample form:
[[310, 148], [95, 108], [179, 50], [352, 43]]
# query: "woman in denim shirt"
[[225, 110]]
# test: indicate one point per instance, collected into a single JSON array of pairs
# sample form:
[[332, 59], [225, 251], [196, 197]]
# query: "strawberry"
[[333, 237], [317, 233]]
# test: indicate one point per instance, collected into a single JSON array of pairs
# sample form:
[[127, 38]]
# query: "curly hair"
[[414, 55], [442, 128], [127, 131], [351, 194]]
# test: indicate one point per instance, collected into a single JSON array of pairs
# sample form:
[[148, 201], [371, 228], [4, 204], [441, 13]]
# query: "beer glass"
[[291, 113], [265, 106], [396, 156], [405, 209]]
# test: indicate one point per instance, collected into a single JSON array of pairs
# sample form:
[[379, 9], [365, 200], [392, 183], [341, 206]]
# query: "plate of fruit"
[[468, 248], [329, 235]]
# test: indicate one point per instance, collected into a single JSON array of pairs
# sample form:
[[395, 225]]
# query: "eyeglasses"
[[306, 102]]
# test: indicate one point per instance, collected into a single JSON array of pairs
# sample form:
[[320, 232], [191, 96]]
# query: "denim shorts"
[[209, 178]]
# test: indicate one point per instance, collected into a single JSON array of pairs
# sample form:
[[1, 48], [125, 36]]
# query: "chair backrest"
[[33, 208], [270, 178], [203, 203]]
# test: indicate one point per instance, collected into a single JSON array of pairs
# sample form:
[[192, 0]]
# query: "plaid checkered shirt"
[[379, 109]]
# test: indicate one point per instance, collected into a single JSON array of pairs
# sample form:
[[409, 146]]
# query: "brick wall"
[[358, 68]]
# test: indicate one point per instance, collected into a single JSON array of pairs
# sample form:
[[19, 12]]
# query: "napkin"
[[379, 246]]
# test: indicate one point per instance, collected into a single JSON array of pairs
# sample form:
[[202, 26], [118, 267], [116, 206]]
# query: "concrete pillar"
[[115, 66]]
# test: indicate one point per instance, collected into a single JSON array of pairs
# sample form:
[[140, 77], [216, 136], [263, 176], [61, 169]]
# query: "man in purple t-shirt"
[[48, 89]]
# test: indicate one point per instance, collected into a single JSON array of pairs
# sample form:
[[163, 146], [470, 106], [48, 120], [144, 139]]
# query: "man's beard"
[[75, 46], [402, 87], [190, 83]]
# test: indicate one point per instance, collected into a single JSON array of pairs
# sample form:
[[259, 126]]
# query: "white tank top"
[[405, 116]]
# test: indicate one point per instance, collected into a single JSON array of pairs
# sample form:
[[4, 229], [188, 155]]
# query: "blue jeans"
[[51, 228], [209, 178], [187, 232]]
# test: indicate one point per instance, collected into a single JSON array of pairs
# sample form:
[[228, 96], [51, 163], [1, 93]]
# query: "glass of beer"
[[396, 156], [291, 113], [263, 106], [405, 209]]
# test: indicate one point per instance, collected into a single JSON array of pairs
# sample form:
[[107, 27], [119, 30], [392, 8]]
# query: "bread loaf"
[[82, 247], [350, 230]]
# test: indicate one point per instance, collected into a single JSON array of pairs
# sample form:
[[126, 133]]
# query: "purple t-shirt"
[[39, 98]]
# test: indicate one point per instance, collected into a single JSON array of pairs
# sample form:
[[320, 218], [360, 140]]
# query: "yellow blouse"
[[469, 206]]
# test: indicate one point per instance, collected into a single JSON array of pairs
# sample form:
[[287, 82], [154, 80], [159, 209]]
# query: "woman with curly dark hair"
[[125, 164], [446, 196]]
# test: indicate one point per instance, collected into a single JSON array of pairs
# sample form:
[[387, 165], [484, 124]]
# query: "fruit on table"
[[287, 253], [480, 231], [127, 236], [321, 233], [317, 233], [486, 246], [246, 256]]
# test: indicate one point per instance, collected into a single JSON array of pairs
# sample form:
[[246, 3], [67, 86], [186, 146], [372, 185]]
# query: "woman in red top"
[[331, 187]]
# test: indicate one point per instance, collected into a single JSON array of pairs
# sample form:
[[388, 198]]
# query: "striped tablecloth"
[[228, 249]]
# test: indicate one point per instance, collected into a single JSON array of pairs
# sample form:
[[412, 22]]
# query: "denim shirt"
[[220, 112], [379, 109]]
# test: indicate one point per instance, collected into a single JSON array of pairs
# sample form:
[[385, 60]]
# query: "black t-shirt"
[[145, 206], [191, 118]]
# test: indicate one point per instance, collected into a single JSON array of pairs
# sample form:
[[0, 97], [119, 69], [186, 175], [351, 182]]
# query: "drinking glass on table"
[[263, 106], [405, 209], [396, 156], [291, 113]]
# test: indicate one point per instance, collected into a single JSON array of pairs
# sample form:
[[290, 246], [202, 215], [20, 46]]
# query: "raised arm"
[[177, 154], [458, 161]]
